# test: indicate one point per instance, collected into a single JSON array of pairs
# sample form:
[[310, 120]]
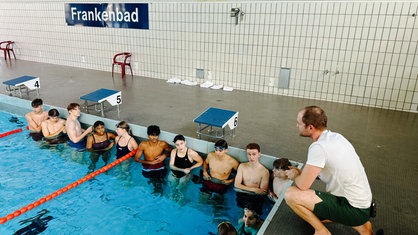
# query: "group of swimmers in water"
[[251, 180]]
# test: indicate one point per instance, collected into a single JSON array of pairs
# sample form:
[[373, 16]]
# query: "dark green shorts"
[[337, 209]]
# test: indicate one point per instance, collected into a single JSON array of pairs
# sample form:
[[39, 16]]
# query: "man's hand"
[[159, 159], [206, 176], [89, 130], [260, 191], [292, 173]]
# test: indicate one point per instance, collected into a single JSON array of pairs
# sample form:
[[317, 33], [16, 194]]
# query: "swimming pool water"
[[115, 202]]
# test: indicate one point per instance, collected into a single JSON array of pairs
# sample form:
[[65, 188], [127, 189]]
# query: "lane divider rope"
[[66, 188], [10, 132]]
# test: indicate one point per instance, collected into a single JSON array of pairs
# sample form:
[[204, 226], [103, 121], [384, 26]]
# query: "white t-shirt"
[[342, 171]]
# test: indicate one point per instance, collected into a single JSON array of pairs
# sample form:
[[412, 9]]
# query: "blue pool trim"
[[22, 106]]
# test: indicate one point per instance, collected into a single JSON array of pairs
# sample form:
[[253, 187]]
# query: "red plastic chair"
[[7, 46], [123, 59]]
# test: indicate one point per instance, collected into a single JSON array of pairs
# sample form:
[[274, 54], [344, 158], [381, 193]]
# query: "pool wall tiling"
[[21, 107]]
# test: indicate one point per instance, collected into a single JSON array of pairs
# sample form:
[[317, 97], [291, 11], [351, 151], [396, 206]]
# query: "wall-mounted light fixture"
[[236, 12]]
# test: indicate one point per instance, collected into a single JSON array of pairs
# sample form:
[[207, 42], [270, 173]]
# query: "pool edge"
[[23, 106]]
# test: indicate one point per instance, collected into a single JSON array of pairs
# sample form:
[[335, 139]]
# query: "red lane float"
[[64, 189], [10, 132]]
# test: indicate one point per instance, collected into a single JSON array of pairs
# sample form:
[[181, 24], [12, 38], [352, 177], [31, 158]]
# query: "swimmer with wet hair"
[[35, 119], [182, 161], [75, 133], [217, 169], [279, 177], [154, 152], [125, 142], [250, 222], [252, 180], [153, 130], [99, 142], [226, 228], [53, 129]]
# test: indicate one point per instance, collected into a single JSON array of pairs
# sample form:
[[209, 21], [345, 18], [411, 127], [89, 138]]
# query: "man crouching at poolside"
[[331, 157], [220, 166], [155, 151], [252, 181]]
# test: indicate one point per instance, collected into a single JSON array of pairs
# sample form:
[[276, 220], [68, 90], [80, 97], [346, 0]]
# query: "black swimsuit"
[[183, 163], [122, 150], [100, 145]]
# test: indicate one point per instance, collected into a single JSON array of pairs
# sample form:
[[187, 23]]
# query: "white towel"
[[206, 84], [216, 87], [188, 83], [228, 88], [173, 80]]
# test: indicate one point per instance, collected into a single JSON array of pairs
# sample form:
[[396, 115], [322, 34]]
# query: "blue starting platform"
[[22, 84], [98, 98], [215, 121]]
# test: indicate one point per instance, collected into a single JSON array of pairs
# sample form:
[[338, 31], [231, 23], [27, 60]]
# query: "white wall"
[[363, 53]]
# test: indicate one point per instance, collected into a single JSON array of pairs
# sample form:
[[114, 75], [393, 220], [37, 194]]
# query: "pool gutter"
[[21, 107]]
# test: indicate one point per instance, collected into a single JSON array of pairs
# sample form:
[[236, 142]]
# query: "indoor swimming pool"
[[114, 202]]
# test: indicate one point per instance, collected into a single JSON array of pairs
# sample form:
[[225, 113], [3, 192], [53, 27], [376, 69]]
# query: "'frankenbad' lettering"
[[96, 15]]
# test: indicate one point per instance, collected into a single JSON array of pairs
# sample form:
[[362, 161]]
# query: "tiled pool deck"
[[385, 139]]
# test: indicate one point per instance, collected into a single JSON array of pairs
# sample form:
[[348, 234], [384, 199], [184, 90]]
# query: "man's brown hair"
[[253, 146], [315, 116], [72, 106]]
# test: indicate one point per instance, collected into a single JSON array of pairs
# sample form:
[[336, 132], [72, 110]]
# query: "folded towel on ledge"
[[228, 88], [206, 84], [174, 80], [216, 87], [188, 83]]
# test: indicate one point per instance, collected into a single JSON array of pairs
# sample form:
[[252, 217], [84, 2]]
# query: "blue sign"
[[112, 15]]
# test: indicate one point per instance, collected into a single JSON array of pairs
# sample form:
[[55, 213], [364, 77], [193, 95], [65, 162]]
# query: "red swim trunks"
[[209, 186]]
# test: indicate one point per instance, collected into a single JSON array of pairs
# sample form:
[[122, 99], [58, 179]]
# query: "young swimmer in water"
[[182, 161], [99, 143], [125, 143], [75, 133], [226, 228], [250, 223], [217, 169], [53, 129], [35, 118], [279, 177]]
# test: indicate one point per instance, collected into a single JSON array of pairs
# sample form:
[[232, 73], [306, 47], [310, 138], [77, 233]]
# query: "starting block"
[[216, 120], [22, 84], [98, 98]]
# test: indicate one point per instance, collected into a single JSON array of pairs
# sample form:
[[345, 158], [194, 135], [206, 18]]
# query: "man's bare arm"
[[139, 153], [32, 124], [305, 178]]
